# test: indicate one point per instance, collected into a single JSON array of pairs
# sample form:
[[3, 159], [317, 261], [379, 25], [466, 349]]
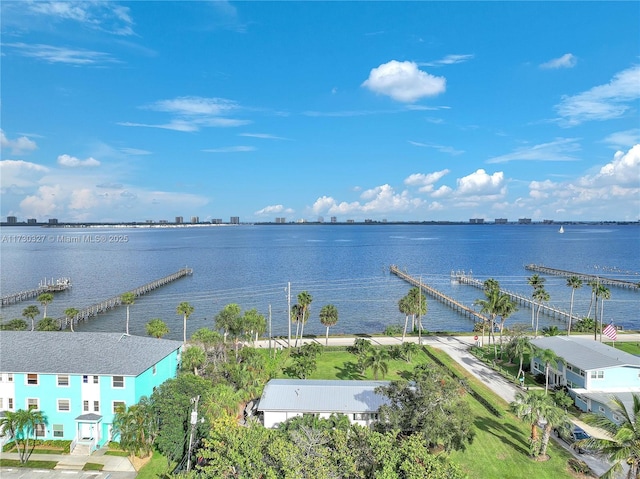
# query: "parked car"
[[572, 435]]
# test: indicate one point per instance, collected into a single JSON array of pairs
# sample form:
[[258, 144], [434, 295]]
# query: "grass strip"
[[93, 466], [28, 464]]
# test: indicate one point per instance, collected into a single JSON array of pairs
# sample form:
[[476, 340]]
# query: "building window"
[[1, 401], [10, 404], [85, 406], [154, 370], [58, 430], [33, 403], [365, 416], [40, 430], [95, 379], [32, 379], [119, 406], [85, 379], [601, 409], [96, 406], [118, 381], [63, 380], [64, 405], [597, 374], [10, 377]]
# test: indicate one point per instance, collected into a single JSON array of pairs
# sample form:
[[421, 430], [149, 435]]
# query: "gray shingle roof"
[[306, 395], [80, 353], [586, 354], [606, 398]]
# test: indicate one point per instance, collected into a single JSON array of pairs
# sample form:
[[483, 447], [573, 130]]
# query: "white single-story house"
[[286, 398], [593, 372]]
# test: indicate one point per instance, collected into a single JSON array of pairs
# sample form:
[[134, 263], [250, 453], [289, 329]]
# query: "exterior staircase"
[[81, 450]]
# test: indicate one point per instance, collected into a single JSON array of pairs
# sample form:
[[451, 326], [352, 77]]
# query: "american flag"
[[610, 332]]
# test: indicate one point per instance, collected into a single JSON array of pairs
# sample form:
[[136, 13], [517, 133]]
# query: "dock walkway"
[[620, 283], [547, 309], [443, 298], [115, 301], [62, 284]]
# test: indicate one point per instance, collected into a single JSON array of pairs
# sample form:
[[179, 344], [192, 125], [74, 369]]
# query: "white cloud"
[[404, 81], [623, 139], [623, 170], [230, 149], [602, 102], [443, 149], [425, 181], [264, 136], [73, 162], [556, 150], [481, 183], [52, 54], [134, 151], [19, 174], [19, 146], [448, 60], [273, 209], [567, 60], [442, 192], [379, 200]]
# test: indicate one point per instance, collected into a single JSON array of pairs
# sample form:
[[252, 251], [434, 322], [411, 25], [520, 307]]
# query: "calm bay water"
[[346, 265]]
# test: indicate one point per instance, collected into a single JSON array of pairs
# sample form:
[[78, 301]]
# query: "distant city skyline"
[[292, 111]]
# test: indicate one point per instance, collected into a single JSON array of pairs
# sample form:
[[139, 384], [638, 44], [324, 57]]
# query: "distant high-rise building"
[[32, 221], [12, 220], [476, 221], [53, 221], [179, 220], [234, 220], [216, 221], [195, 220], [334, 219], [163, 222], [281, 220], [350, 221], [524, 221], [500, 221]]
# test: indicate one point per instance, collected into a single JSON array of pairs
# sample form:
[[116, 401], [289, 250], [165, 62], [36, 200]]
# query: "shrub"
[[579, 466], [393, 330]]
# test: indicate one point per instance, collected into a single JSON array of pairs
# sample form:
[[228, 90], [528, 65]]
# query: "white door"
[[86, 431]]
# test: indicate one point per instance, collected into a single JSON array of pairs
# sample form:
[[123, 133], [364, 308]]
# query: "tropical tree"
[[193, 358], [15, 324], [127, 299], [31, 312], [541, 296], [495, 303], [555, 417], [405, 308], [44, 299], [254, 324], [506, 307], [550, 331], [377, 361], [574, 283], [408, 350], [304, 301], [622, 443], [157, 328], [70, 313], [530, 408], [417, 306], [519, 346], [328, 318], [20, 426], [536, 282], [48, 324], [185, 309], [604, 294], [226, 318], [549, 358], [137, 428]]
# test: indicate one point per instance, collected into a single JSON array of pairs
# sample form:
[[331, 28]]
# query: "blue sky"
[[417, 111]]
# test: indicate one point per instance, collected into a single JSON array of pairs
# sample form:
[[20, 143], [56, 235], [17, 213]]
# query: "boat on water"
[[561, 230]]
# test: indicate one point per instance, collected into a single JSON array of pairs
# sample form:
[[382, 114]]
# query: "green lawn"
[[155, 468], [28, 464], [629, 347]]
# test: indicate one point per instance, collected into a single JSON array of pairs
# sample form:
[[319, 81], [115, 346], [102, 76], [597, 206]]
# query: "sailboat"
[[561, 230]]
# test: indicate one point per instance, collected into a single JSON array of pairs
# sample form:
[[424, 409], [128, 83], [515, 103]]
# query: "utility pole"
[[289, 311], [269, 330], [194, 423], [420, 312]]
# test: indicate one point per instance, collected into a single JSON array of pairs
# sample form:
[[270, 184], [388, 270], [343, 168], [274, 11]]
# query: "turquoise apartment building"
[[79, 380]]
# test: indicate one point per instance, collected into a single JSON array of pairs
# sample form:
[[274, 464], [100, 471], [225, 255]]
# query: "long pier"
[[519, 298], [434, 293], [90, 311], [62, 284], [620, 283]]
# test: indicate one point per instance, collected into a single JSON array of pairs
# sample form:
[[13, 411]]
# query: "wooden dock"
[[443, 298], [45, 286], [90, 311], [619, 283], [519, 298]]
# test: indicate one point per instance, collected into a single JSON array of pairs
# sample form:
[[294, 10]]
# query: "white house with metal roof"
[[593, 373], [79, 380], [283, 399]]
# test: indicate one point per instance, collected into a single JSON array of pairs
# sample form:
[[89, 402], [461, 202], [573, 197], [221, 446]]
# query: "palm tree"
[[31, 312], [622, 446], [226, 318], [304, 300], [604, 293], [20, 425], [157, 328], [536, 282], [574, 283], [48, 324], [44, 299], [540, 295], [193, 358], [328, 318], [405, 308], [548, 356], [555, 417], [408, 349], [530, 407], [377, 361], [418, 306], [185, 309], [137, 427], [506, 308], [15, 324], [491, 305], [70, 313], [519, 346], [127, 299]]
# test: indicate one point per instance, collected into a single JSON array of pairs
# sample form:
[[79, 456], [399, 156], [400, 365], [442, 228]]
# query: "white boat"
[[561, 230]]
